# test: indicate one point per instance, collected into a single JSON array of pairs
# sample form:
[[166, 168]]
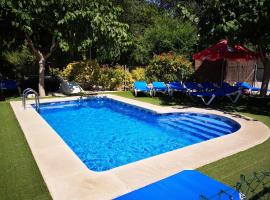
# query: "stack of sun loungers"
[[206, 91]]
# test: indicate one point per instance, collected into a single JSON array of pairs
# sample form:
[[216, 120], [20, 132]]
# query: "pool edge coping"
[[77, 181]]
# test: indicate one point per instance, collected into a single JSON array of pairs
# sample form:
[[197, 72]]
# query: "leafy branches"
[[166, 35], [95, 26], [71, 25]]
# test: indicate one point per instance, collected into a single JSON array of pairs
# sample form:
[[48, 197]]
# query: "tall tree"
[[241, 21], [67, 24], [166, 35], [139, 15]]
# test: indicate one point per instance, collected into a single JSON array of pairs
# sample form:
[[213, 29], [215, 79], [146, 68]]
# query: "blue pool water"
[[105, 133]]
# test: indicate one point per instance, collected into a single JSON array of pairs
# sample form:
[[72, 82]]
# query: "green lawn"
[[20, 178]]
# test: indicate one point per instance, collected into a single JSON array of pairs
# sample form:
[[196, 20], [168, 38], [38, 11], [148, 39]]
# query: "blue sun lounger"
[[192, 86], [158, 87], [140, 86], [8, 84], [232, 92], [208, 86], [188, 185], [246, 86], [176, 87]]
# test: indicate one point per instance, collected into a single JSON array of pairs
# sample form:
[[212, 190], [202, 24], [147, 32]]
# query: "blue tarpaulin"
[[188, 184]]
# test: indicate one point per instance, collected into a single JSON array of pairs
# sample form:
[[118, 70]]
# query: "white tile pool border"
[[67, 178]]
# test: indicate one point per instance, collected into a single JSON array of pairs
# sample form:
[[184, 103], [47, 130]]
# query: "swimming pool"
[[106, 133]]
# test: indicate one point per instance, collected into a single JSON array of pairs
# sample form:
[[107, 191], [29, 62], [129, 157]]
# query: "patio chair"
[[158, 87], [140, 86], [176, 87], [233, 93]]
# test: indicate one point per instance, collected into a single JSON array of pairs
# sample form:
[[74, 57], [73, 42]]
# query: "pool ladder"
[[24, 97]]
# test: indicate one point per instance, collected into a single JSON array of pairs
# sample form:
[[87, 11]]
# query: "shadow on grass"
[[252, 105], [264, 194]]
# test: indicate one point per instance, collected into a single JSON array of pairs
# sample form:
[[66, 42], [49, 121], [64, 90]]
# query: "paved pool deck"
[[67, 178]]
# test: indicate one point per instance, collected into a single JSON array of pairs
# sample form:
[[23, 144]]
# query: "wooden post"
[[125, 69]]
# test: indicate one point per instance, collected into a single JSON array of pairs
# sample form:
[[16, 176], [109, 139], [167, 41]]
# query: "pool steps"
[[207, 125], [208, 120], [202, 128], [189, 130]]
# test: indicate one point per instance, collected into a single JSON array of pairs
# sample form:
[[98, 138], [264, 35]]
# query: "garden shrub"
[[112, 78], [105, 78], [138, 74], [169, 67], [86, 73], [90, 74], [118, 78]]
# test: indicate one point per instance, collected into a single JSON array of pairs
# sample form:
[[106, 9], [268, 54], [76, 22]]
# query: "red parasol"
[[221, 50]]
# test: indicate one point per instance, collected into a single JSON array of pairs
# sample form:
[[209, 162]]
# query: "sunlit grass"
[[20, 176]]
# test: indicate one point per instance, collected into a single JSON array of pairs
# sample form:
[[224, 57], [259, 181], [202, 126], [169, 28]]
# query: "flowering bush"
[[168, 67]]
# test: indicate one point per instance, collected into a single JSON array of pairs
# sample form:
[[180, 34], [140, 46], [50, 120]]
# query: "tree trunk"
[[42, 62], [266, 73], [41, 84], [266, 77]]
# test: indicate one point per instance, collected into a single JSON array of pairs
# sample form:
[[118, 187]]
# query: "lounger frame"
[[237, 95]]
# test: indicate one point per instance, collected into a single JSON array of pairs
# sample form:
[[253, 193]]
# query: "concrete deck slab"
[[68, 178]]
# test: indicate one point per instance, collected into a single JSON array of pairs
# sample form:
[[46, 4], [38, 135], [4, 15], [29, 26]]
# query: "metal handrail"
[[24, 96]]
